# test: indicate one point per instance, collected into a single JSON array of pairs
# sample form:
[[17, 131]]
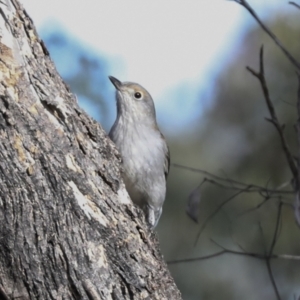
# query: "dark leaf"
[[192, 208]]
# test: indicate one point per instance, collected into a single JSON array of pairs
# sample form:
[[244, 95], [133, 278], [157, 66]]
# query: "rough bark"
[[67, 227]]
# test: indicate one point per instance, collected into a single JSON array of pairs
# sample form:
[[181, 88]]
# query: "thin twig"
[[248, 187], [272, 279], [227, 251], [245, 4], [230, 186], [273, 243], [241, 253], [275, 235], [274, 120], [178, 261], [295, 4], [286, 256], [297, 183], [214, 213], [298, 101], [258, 206]]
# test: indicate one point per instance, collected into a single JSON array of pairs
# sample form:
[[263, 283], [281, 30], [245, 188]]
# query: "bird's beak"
[[117, 83]]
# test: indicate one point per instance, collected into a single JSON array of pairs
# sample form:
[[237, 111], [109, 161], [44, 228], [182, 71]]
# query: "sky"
[[172, 48]]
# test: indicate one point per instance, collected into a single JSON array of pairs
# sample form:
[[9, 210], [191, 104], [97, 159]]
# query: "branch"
[[298, 104], [275, 235], [295, 4], [234, 184], [268, 263], [214, 213], [186, 260], [245, 4], [228, 251], [297, 199], [274, 120], [266, 199], [272, 279], [298, 124]]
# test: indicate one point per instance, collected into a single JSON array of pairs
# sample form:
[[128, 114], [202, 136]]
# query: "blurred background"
[[191, 56]]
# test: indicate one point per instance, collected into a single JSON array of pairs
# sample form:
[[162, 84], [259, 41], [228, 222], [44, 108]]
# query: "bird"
[[143, 148]]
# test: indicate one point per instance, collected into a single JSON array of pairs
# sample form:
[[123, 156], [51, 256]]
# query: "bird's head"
[[133, 101]]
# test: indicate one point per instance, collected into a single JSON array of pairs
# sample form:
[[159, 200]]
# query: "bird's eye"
[[137, 95]]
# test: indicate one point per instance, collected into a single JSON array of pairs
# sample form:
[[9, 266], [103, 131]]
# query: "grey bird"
[[143, 148]]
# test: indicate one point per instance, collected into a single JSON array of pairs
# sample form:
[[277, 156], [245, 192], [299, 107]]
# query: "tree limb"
[[291, 58], [234, 184], [268, 263], [68, 229], [295, 4], [274, 120], [234, 252], [204, 224]]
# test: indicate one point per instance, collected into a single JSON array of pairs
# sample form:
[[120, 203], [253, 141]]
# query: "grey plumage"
[[143, 148]]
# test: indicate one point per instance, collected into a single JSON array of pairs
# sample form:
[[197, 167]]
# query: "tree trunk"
[[67, 227]]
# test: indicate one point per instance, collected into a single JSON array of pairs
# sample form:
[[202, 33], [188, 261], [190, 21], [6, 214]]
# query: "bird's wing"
[[167, 162], [167, 157]]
